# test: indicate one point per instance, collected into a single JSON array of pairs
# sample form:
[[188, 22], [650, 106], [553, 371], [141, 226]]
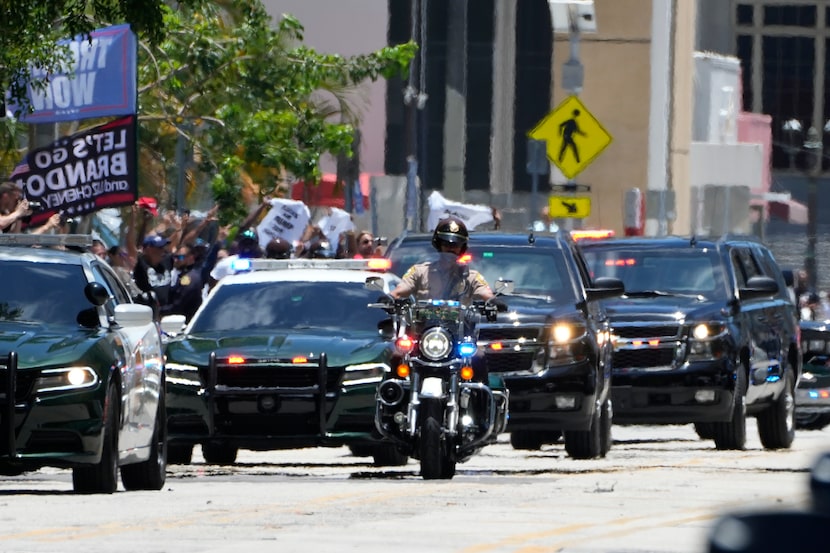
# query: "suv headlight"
[[565, 343], [365, 373], [66, 378], [706, 340]]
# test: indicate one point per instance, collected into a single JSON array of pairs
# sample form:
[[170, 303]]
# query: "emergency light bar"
[[258, 264], [591, 234], [49, 240]]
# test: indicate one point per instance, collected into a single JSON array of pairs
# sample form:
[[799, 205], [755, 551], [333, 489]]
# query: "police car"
[[282, 354], [81, 368]]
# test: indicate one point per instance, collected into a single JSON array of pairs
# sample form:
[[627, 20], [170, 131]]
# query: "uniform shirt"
[[185, 294], [446, 280]]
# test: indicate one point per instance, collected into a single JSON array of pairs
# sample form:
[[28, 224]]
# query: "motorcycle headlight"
[[366, 373], [66, 378], [435, 344]]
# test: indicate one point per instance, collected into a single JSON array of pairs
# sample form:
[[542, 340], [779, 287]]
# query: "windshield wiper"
[[662, 293]]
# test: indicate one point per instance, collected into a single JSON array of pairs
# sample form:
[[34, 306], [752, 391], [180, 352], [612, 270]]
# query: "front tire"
[[705, 430], [813, 421], [594, 442], [152, 473], [732, 434], [219, 454], [776, 425], [179, 454], [102, 477], [388, 455], [436, 460]]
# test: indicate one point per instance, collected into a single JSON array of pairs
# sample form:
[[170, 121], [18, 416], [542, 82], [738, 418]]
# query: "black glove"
[[501, 305]]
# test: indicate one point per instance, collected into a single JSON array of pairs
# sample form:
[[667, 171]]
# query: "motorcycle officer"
[[446, 278]]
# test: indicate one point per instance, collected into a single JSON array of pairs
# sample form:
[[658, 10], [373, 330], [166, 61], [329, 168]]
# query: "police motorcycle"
[[431, 405]]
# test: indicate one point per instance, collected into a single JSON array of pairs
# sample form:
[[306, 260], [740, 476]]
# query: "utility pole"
[[414, 100]]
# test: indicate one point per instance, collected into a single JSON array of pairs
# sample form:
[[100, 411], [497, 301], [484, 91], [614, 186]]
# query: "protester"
[[13, 207], [153, 270], [366, 246]]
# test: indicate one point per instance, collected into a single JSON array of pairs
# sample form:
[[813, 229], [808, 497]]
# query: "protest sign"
[[81, 173], [472, 215], [334, 224], [99, 82], [286, 219]]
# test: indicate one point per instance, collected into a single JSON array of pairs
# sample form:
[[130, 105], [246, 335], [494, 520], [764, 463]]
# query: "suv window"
[[687, 271]]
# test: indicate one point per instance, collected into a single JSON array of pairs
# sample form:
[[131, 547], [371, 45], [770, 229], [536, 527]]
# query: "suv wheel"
[[530, 440], [592, 443], [776, 425], [705, 430], [812, 421], [219, 454], [732, 434]]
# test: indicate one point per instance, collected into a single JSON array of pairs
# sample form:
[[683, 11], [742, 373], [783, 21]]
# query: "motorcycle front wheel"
[[437, 461]]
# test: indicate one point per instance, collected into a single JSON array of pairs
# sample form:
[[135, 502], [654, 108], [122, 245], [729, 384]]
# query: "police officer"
[[446, 278], [186, 292]]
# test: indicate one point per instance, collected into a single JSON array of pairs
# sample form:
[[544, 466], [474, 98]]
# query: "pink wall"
[[756, 128]]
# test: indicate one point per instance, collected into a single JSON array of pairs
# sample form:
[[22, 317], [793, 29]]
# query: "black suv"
[[552, 345], [706, 333]]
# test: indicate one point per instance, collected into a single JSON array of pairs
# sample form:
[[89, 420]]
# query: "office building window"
[[793, 16], [789, 66], [745, 55], [745, 13]]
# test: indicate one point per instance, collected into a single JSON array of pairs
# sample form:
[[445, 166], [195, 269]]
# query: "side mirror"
[[503, 286], [375, 284], [386, 329], [172, 324], [605, 287], [759, 287], [96, 293]]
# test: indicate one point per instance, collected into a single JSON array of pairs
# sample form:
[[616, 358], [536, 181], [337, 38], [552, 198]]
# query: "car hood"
[[39, 345], [341, 349], [664, 309], [524, 310]]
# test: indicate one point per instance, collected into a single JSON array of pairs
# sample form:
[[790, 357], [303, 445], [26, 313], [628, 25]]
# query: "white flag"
[[472, 215], [286, 219], [334, 224]]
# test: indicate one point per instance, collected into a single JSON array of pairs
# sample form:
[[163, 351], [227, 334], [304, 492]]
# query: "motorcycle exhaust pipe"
[[390, 393]]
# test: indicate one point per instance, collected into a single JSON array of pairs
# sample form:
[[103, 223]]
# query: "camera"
[[35, 205]]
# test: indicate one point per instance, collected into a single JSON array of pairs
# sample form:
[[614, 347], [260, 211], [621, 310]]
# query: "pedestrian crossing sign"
[[574, 137]]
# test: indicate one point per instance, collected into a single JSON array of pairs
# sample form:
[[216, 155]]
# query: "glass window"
[[797, 16], [789, 71], [745, 55], [289, 305], [688, 271], [50, 293], [744, 15], [533, 272]]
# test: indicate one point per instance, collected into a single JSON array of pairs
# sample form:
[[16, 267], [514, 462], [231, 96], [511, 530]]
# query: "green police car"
[[81, 368], [283, 354]]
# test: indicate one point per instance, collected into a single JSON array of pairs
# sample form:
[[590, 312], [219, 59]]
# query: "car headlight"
[[565, 344], [366, 373], [706, 342], [435, 343], [815, 345], [178, 373], [66, 378]]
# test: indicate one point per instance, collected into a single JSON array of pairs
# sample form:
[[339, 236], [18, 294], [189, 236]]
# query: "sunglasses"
[[366, 241], [180, 256]]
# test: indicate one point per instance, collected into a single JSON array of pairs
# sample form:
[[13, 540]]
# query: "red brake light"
[[465, 259]]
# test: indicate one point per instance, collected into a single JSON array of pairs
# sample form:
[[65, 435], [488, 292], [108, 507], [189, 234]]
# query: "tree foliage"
[[30, 30], [240, 88], [246, 92]]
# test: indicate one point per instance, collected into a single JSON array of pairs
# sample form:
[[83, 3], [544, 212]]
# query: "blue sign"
[[100, 82]]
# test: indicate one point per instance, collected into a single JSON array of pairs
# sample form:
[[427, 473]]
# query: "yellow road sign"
[[574, 136], [576, 207]]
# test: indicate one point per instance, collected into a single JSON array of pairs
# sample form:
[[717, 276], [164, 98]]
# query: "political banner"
[[472, 215], [286, 219], [81, 173], [334, 224], [100, 81]]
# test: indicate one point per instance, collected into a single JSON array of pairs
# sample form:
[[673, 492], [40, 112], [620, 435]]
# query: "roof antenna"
[[530, 238], [693, 241]]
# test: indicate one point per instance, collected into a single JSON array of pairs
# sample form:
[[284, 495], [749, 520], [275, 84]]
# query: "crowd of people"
[[171, 261]]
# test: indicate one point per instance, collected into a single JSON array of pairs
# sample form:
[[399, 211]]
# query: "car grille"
[[522, 345], [492, 334], [632, 350], [509, 362], [24, 380], [274, 376]]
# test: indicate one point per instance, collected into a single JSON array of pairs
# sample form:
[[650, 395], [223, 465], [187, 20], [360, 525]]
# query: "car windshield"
[[533, 271], [42, 292], [289, 305], [688, 272]]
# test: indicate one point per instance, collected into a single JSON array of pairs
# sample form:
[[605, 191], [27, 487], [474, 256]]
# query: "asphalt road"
[[659, 490]]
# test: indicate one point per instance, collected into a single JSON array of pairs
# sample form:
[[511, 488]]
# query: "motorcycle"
[[431, 405]]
